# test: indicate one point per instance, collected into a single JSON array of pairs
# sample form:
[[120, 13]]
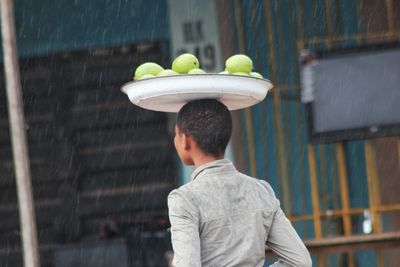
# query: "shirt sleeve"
[[185, 238], [286, 244]]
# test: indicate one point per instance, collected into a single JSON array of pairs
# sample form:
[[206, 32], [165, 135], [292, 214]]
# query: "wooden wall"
[[96, 159]]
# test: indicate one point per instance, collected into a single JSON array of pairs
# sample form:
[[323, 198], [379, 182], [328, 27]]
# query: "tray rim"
[[181, 79]]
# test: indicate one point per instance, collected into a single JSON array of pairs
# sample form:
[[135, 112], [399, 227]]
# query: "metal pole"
[[18, 137]]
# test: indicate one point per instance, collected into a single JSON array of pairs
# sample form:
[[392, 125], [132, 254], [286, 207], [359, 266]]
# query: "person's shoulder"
[[182, 192], [262, 183], [261, 186], [265, 185], [180, 201], [183, 189]]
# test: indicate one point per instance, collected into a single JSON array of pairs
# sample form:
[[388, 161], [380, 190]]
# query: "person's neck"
[[204, 159]]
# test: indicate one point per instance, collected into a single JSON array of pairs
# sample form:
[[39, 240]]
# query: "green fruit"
[[196, 71], [241, 73], [256, 75], [147, 68], [147, 76], [239, 63], [167, 72], [184, 63]]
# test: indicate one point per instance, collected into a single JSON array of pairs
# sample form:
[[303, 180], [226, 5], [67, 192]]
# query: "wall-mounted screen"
[[353, 93]]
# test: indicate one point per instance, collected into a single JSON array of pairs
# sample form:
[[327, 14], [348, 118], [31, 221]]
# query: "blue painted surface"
[[47, 26], [357, 176], [285, 34], [273, 177]]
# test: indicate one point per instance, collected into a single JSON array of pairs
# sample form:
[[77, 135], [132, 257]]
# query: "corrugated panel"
[[294, 24], [45, 27]]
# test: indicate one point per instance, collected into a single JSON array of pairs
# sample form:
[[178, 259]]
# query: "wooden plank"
[[47, 161], [128, 177], [351, 244], [8, 239], [137, 134], [126, 220], [344, 192], [125, 158], [354, 243], [37, 152], [42, 172], [88, 95], [127, 190], [152, 199], [125, 116], [30, 119], [110, 57], [398, 150], [373, 185], [8, 195], [103, 70], [33, 103], [314, 192], [40, 131], [390, 16], [58, 214], [46, 211], [80, 75]]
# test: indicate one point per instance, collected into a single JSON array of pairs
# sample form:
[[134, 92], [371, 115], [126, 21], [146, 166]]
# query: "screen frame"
[[356, 133]]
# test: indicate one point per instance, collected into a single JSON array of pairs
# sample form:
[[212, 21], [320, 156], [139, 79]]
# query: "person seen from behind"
[[223, 217]]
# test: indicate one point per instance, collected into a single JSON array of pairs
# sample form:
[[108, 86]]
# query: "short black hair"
[[208, 122]]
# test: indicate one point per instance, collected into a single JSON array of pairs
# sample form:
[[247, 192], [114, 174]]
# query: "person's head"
[[203, 126]]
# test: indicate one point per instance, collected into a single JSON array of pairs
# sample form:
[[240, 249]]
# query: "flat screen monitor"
[[352, 93]]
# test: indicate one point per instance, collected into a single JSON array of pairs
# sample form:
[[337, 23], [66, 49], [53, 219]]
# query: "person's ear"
[[186, 142]]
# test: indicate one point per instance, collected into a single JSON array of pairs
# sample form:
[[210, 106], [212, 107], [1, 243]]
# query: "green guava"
[[147, 68], [239, 63], [184, 63], [147, 76], [196, 71], [241, 73], [167, 72], [256, 75]]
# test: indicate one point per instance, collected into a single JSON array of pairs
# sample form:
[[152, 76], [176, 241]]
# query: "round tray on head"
[[170, 93]]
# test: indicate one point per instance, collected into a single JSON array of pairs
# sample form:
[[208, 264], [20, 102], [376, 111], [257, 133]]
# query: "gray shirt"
[[225, 218]]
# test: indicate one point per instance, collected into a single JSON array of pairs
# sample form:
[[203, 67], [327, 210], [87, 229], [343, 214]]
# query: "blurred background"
[[326, 138]]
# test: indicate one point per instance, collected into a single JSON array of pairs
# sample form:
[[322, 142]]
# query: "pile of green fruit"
[[189, 64]]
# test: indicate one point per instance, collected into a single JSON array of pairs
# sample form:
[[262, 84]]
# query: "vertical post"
[[314, 192], [344, 192], [374, 194], [18, 137], [398, 150], [328, 24], [373, 186], [390, 16]]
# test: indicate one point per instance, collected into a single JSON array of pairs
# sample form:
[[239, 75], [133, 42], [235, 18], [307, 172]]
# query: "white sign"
[[194, 29]]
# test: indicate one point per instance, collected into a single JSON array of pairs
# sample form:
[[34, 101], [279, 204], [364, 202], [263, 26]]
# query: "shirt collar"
[[210, 165]]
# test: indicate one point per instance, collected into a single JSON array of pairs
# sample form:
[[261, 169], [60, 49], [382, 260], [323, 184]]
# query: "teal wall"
[[286, 33], [46, 26]]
